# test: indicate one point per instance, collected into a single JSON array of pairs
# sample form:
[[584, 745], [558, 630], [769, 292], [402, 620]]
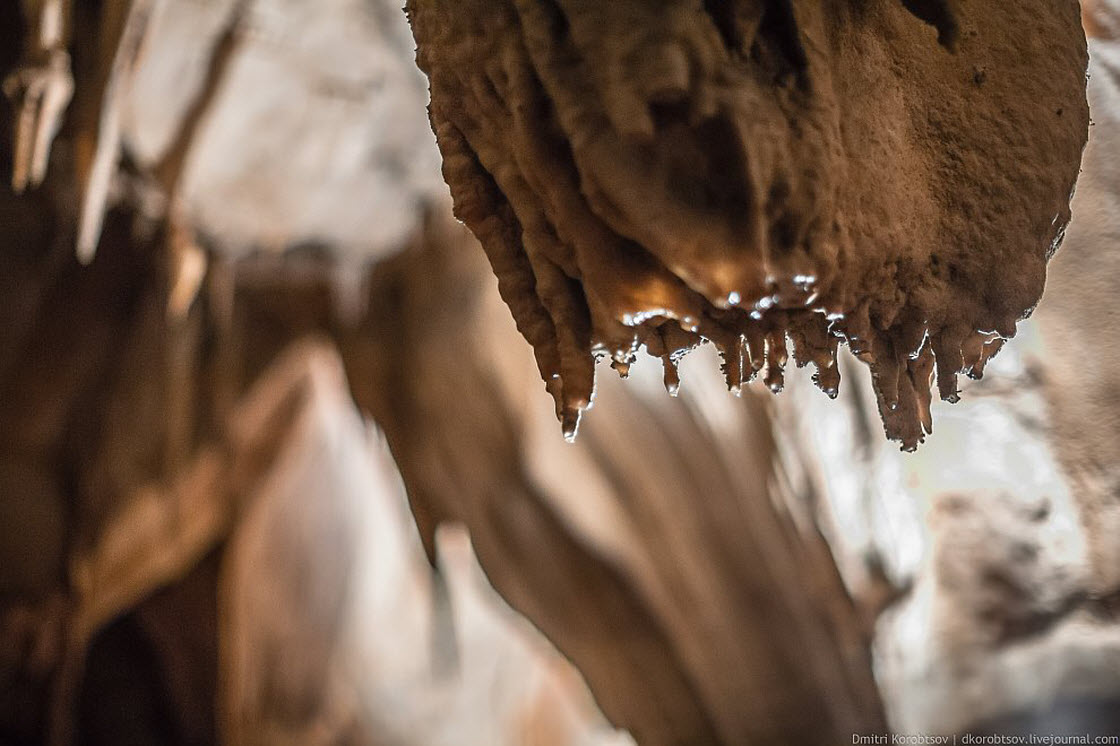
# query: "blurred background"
[[277, 468]]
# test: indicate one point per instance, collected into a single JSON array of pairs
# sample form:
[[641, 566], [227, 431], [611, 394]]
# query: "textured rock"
[[997, 541], [661, 174]]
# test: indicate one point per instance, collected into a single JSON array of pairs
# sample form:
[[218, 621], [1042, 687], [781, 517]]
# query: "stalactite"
[[123, 25], [756, 170], [40, 89]]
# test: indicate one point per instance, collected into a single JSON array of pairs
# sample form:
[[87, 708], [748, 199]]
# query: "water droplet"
[[569, 423], [671, 379]]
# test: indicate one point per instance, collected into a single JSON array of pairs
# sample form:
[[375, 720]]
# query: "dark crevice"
[[722, 13], [777, 48], [558, 25], [708, 160], [937, 14]]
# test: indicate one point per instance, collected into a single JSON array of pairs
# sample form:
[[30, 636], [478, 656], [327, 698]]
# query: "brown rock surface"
[[999, 536], [659, 174]]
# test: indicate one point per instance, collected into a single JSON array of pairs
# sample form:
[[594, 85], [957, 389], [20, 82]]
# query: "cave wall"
[[716, 568]]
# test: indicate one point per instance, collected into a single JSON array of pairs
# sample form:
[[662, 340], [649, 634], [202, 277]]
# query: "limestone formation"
[[893, 176], [202, 540]]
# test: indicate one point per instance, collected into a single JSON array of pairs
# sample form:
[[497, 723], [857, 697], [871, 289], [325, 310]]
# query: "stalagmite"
[[890, 175]]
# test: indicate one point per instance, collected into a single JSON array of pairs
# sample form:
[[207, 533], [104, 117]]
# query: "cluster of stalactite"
[[777, 178], [750, 173]]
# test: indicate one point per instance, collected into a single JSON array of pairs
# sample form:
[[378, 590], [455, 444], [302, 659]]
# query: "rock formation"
[[658, 174], [202, 537]]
